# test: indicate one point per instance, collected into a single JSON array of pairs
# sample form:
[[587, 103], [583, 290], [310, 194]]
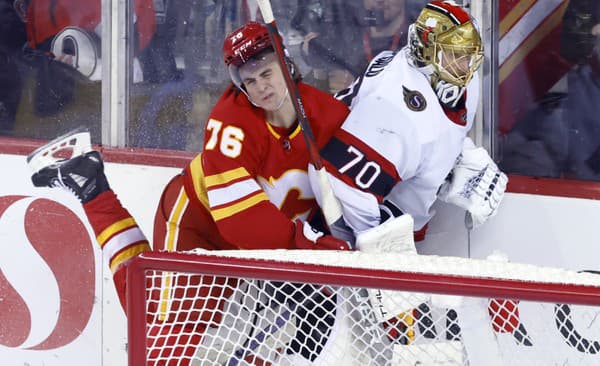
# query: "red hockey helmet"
[[245, 42]]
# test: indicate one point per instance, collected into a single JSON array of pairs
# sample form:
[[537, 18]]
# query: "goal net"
[[320, 308]]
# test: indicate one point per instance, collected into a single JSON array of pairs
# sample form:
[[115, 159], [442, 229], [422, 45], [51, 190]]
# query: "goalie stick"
[[330, 206]]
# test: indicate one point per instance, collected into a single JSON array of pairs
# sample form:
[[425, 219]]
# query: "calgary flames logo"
[[47, 274]]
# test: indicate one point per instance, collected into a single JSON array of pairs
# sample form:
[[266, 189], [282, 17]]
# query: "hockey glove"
[[307, 237], [475, 183]]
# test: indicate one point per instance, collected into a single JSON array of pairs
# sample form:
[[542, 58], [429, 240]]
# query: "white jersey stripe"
[[233, 192], [121, 241]]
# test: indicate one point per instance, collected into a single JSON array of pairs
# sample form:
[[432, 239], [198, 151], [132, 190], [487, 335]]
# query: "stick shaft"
[[267, 13], [331, 207]]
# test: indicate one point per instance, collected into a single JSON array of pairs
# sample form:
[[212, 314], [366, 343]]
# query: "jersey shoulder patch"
[[414, 99]]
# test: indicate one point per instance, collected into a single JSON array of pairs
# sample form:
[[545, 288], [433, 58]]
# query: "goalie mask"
[[446, 37]]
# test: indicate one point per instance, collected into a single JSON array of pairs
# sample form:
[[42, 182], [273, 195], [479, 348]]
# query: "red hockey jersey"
[[251, 179]]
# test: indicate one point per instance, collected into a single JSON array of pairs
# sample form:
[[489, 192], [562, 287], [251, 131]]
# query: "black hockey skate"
[[69, 162], [83, 175]]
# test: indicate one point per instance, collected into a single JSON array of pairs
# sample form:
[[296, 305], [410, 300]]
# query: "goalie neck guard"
[[446, 37]]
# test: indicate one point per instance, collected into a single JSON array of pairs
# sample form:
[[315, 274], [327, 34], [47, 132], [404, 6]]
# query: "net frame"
[[414, 273]]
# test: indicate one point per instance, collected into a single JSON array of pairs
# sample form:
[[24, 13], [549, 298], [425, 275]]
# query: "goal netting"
[[318, 308]]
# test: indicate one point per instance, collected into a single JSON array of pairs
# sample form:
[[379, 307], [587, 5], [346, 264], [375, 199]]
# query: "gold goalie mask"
[[446, 37]]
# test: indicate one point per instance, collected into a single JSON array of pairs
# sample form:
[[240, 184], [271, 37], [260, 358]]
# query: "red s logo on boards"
[[47, 274]]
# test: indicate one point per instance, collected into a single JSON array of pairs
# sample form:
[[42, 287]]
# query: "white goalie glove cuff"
[[475, 183]]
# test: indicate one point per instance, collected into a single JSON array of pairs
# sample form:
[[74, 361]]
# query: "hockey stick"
[[259, 338], [330, 206], [319, 296]]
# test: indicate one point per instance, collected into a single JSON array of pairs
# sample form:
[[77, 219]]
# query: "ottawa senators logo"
[[415, 101]]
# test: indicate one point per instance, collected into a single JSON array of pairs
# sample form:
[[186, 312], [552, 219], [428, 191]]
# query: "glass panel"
[[181, 73], [50, 68], [549, 93]]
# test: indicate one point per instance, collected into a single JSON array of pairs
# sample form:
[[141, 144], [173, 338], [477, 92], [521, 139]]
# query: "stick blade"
[[69, 145]]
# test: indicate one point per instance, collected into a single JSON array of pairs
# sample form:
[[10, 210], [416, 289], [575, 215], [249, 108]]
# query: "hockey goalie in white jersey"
[[405, 142]]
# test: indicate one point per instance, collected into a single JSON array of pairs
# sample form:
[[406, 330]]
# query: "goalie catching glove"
[[475, 183], [307, 237]]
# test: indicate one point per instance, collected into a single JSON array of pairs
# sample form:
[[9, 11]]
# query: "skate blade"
[[67, 146]]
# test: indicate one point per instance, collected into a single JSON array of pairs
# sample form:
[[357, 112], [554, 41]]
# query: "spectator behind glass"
[[580, 43], [561, 137], [12, 39], [342, 37], [60, 66]]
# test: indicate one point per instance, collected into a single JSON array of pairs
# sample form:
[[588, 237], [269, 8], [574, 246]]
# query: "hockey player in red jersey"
[[253, 167]]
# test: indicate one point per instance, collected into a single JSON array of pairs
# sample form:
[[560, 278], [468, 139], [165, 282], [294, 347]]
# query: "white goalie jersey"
[[397, 145]]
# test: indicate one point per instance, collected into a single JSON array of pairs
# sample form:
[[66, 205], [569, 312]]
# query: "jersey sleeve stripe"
[[233, 192], [372, 155], [222, 213], [339, 153], [114, 229], [122, 240], [127, 253], [226, 177], [197, 176]]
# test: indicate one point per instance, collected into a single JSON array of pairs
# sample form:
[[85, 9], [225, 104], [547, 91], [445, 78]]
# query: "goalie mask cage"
[[319, 308]]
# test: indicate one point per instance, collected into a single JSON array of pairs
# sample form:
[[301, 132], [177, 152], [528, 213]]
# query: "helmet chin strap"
[[279, 105], [287, 92]]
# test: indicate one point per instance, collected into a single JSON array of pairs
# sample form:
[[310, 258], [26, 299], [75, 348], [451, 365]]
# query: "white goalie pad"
[[74, 143], [393, 236]]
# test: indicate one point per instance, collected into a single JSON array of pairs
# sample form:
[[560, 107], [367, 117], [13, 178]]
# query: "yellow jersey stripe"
[[127, 254], [296, 132], [197, 173], [113, 229], [226, 177], [228, 211], [175, 219]]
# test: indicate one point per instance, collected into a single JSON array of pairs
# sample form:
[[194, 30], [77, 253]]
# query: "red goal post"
[[299, 307]]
